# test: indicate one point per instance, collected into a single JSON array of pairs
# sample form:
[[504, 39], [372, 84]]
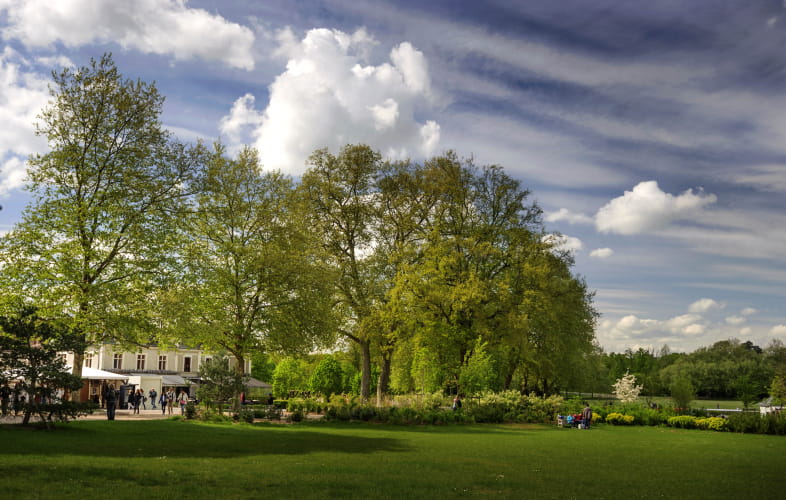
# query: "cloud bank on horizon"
[[652, 136]]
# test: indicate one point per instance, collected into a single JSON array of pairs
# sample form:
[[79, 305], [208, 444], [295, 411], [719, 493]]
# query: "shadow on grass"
[[183, 440], [468, 429]]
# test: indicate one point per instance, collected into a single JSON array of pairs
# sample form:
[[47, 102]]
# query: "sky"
[[652, 134]]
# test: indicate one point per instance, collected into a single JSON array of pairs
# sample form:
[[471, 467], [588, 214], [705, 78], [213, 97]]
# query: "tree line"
[[432, 275], [728, 369]]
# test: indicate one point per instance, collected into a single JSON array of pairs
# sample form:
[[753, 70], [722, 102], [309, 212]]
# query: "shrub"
[[711, 423], [191, 410], [619, 419], [682, 422], [246, 415], [772, 423]]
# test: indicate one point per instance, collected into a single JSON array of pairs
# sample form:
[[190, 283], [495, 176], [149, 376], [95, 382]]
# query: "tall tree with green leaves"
[[483, 270], [250, 281], [91, 245], [341, 192]]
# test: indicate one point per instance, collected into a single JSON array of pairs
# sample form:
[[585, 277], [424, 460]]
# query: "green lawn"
[[183, 460]]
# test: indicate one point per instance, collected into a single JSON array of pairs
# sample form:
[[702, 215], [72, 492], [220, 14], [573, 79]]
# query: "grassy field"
[[183, 460]]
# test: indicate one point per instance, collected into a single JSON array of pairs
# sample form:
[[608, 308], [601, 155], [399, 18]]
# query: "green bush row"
[[436, 408]]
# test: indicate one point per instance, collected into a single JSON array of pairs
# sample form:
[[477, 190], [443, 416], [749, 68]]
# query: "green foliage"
[[756, 423], [619, 419], [478, 372], [682, 393], [289, 375], [92, 246], [682, 422], [30, 349], [245, 247], [778, 389], [262, 367], [220, 382], [191, 410], [712, 423], [327, 377]]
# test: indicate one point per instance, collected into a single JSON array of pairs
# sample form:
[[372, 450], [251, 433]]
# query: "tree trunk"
[[79, 360], [365, 371], [241, 363], [384, 376]]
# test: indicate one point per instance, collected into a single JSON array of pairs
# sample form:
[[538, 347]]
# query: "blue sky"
[[651, 133]]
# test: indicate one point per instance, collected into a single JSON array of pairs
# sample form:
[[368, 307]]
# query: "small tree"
[[778, 390], [625, 388], [30, 353], [220, 383], [682, 392], [477, 374], [289, 375], [327, 377], [747, 390]]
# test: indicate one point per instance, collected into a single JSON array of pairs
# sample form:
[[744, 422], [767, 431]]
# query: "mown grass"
[[178, 460]]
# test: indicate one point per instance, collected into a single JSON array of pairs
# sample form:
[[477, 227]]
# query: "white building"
[[146, 368]]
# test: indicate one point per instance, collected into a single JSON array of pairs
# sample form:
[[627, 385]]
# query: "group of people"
[[581, 420], [168, 400], [137, 399]]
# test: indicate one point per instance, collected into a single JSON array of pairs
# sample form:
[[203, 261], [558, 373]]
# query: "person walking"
[[144, 398], [162, 402], [182, 398], [170, 400], [152, 395], [139, 398]]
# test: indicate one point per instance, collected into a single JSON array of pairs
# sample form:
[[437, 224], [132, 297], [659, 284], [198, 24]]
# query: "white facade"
[[147, 367]]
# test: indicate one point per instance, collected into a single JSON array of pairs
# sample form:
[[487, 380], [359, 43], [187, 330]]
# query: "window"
[[117, 361], [162, 362], [187, 364], [140, 361], [88, 360]]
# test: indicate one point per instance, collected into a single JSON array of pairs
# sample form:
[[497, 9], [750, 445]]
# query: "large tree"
[[484, 276], [91, 244], [341, 191], [250, 281]]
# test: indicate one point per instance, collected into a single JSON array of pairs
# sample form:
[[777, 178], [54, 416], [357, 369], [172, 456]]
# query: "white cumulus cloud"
[[22, 96], [778, 330], [647, 208], [167, 27], [562, 242], [602, 253], [704, 305], [568, 216], [329, 96], [735, 320]]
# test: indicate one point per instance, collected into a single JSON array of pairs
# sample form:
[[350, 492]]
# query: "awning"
[[173, 380], [252, 382], [96, 374]]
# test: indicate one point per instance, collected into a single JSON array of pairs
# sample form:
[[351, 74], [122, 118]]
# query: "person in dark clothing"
[[586, 416], [110, 400], [136, 399]]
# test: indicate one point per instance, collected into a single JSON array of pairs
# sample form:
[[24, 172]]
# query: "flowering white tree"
[[625, 388]]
